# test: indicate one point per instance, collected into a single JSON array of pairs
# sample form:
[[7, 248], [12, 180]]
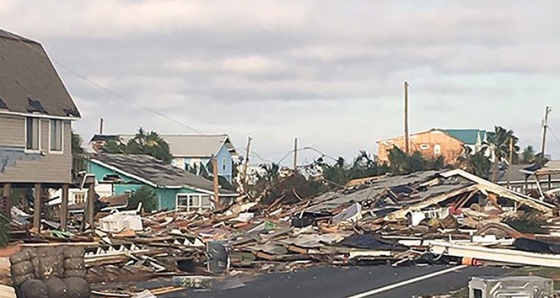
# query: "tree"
[[528, 155], [142, 143], [499, 144], [77, 144], [144, 195], [398, 161], [478, 164], [364, 166]]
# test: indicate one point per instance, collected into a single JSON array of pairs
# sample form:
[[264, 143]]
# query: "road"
[[338, 282]]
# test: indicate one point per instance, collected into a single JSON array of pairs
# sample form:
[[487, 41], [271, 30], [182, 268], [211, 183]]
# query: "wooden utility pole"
[[101, 126], [246, 164], [64, 208], [90, 204], [407, 143], [37, 206], [545, 127], [510, 161], [217, 203], [295, 155], [5, 201]]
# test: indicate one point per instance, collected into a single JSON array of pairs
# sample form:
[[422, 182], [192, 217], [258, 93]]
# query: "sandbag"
[[74, 252], [21, 256], [21, 268], [75, 273], [35, 262], [20, 279], [45, 251], [34, 289], [56, 287], [77, 288], [48, 267], [74, 264]]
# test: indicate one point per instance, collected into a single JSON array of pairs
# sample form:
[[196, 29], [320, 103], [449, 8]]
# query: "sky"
[[328, 72]]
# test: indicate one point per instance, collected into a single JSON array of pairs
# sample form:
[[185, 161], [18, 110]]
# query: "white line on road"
[[406, 282]]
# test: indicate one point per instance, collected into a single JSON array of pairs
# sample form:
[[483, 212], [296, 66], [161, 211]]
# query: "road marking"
[[406, 282]]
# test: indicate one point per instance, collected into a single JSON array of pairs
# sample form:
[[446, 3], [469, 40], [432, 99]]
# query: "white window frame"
[[197, 198], [188, 205], [38, 150], [424, 146], [61, 151]]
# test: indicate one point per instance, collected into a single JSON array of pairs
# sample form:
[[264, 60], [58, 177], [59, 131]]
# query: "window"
[[191, 202], [224, 164], [56, 138], [437, 149], [32, 132], [79, 198], [424, 147]]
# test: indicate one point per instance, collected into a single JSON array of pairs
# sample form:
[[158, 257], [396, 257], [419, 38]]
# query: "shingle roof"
[[155, 171], [467, 136], [28, 80], [194, 145]]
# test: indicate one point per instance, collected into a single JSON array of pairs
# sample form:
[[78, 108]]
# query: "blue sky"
[[329, 72]]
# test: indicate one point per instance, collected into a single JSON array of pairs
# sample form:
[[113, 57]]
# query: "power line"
[[115, 94], [553, 135]]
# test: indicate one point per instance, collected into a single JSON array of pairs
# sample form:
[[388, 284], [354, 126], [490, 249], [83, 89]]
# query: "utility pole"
[[407, 143], [246, 164], [510, 160], [295, 155], [545, 127], [101, 126], [217, 203]]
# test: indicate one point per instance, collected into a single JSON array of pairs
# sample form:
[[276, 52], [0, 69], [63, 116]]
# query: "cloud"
[[328, 71]]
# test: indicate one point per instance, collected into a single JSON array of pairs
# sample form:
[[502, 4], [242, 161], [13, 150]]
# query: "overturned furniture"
[[50, 271]]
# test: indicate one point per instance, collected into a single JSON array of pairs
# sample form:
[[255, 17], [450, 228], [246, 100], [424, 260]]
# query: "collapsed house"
[[426, 217]]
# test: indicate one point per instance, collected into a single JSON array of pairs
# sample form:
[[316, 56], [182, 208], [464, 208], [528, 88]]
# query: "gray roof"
[[518, 175], [194, 145], [29, 82], [155, 171]]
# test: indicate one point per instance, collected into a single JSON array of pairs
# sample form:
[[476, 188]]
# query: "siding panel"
[[12, 130], [50, 168]]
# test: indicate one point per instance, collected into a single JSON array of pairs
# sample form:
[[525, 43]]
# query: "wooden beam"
[[64, 208], [90, 206], [7, 189], [37, 206], [217, 203]]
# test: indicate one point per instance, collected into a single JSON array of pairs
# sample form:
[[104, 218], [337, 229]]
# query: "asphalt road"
[[338, 282]]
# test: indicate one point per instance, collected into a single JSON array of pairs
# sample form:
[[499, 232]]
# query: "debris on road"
[[422, 218]]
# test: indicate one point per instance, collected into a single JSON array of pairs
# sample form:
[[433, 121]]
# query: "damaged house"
[[175, 188], [190, 152], [36, 115]]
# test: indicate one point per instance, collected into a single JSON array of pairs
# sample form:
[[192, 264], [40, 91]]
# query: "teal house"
[[175, 188]]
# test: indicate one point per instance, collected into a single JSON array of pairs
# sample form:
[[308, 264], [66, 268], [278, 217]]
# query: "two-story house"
[[190, 152], [36, 114], [448, 143]]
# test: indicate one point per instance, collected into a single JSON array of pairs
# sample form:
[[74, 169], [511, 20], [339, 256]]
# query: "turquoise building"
[[174, 187]]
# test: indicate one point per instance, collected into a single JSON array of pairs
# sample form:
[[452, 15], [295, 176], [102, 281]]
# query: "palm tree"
[[477, 163], [499, 143], [528, 155], [142, 143], [398, 161]]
